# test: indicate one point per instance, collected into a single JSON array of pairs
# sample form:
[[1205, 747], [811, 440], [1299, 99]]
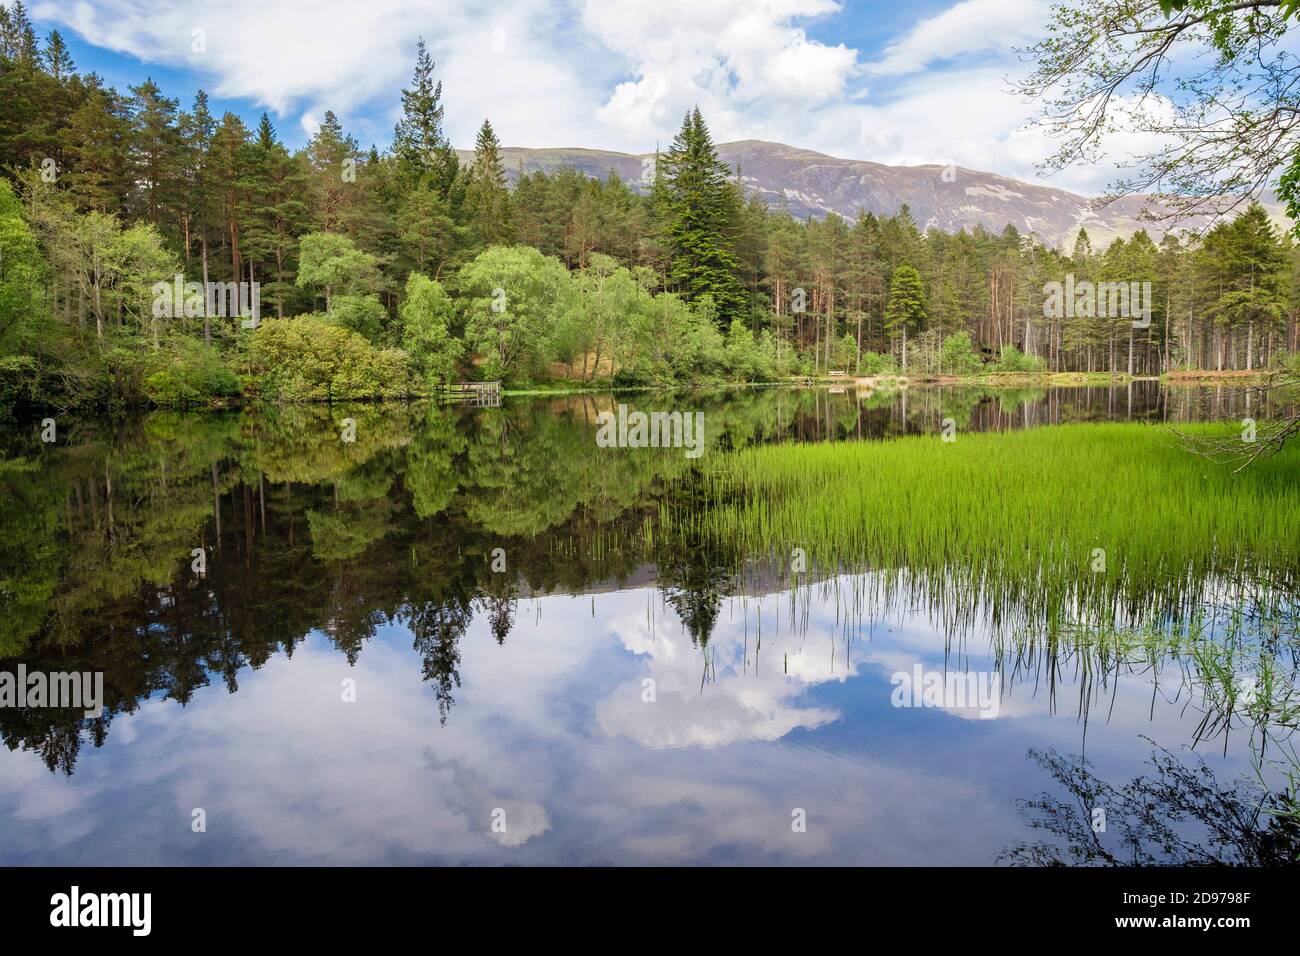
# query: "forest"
[[388, 272]]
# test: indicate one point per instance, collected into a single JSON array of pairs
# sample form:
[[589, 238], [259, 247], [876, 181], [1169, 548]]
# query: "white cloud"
[[972, 26], [743, 702], [614, 74], [734, 59], [495, 59]]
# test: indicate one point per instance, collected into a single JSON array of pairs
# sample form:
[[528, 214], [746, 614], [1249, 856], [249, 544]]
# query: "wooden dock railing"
[[478, 393]]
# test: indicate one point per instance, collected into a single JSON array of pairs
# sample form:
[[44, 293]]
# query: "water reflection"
[[1177, 814], [376, 561]]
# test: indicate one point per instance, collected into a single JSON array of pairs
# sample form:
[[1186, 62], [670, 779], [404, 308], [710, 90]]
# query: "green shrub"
[[363, 314], [957, 356], [1014, 360], [875, 363], [747, 359], [1287, 362], [188, 373], [305, 359]]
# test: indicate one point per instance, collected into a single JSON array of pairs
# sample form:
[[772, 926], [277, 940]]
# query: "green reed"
[[1098, 523]]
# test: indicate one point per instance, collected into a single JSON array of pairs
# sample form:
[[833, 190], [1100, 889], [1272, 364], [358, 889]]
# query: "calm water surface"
[[490, 583]]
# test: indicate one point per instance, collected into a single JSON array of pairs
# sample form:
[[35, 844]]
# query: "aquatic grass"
[[1105, 550], [1100, 523], [1241, 670]]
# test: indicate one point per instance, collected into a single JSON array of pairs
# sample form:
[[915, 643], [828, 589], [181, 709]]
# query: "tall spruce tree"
[[424, 157], [487, 200], [18, 36], [698, 214], [57, 59]]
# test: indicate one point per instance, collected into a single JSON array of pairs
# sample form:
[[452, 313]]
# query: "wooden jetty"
[[487, 394]]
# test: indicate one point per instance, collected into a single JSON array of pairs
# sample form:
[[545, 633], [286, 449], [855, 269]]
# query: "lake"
[[858, 628]]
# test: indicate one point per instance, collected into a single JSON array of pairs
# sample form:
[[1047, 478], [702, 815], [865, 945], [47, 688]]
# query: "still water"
[[460, 637]]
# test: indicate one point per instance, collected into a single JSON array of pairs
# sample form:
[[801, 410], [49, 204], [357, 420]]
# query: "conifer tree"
[[155, 155], [95, 143], [277, 212], [229, 160], [487, 199], [424, 157], [17, 35], [1252, 300], [697, 210], [333, 160], [906, 309], [1082, 248], [57, 59]]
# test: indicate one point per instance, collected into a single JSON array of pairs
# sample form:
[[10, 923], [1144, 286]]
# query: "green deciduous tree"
[[23, 320], [333, 264], [517, 296], [427, 314]]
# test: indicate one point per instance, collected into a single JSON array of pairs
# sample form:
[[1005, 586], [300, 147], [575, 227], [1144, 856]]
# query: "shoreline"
[[1057, 379], [1007, 380]]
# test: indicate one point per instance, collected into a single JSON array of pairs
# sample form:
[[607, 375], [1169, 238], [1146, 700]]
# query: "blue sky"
[[920, 82]]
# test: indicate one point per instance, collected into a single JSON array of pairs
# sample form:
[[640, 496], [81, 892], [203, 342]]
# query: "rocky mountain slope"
[[949, 198]]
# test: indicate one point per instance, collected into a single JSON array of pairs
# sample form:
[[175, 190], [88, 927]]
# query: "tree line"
[[385, 272]]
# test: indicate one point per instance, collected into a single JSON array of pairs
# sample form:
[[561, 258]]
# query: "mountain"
[[949, 198]]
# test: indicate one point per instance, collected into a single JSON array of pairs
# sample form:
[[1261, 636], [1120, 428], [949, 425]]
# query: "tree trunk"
[[207, 319]]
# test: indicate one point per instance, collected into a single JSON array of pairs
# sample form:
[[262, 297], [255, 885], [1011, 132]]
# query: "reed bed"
[[1099, 524]]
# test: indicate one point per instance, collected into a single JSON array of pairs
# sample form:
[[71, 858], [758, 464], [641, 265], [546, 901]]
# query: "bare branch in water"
[[1266, 441]]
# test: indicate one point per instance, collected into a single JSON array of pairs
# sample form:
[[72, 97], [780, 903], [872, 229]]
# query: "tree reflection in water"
[[306, 534], [1180, 815]]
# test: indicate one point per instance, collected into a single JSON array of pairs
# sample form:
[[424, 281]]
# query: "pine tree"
[[18, 36], [1139, 267], [156, 155], [58, 61], [698, 215], [333, 159], [428, 233], [276, 214], [34, 106], [95, 140], [199, 218], [866, 277], [906, 309], [229, 160], [1253, 298], [1082, 248]]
